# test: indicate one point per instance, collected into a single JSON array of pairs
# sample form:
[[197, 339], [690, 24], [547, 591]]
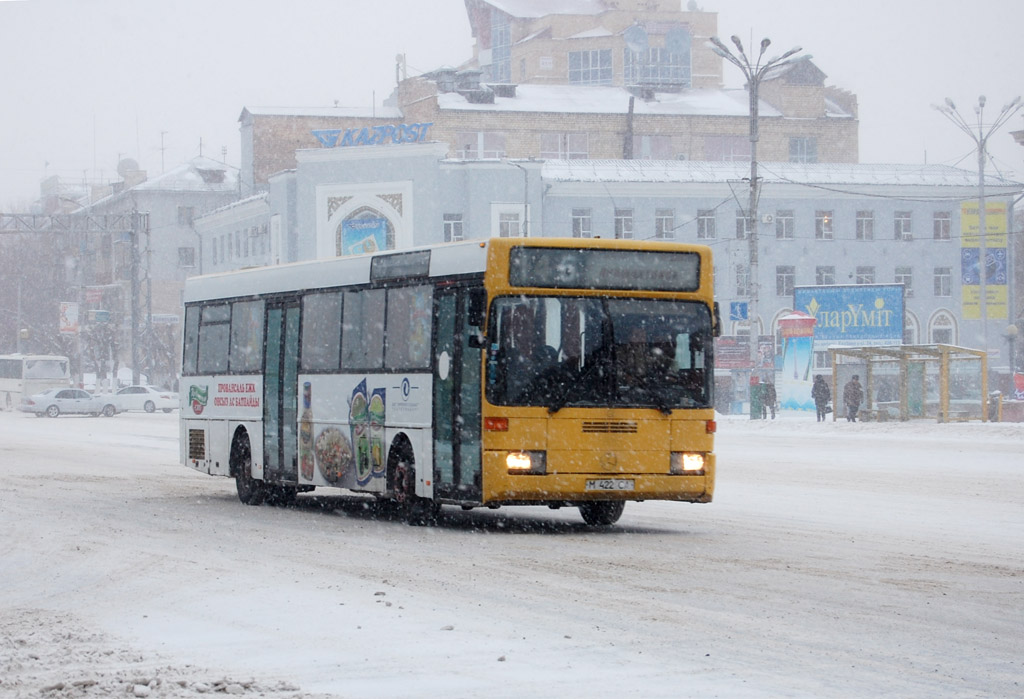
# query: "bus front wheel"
[[250, 490], [602, 513]]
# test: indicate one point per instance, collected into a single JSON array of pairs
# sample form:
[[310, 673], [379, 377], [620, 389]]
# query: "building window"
[[654, 148], [623, 223], [706, 224], [823, 225], [825, 276], [803, 150], [186, 257], [564, 146], [185, 215], [213, 250], [508, 225], [590, 67], [785, 280], [905, 276], [581, 225], [942, 330], [785, 224], [476, 145], [943, 281], [865, 275], [743, 281], [865, 225], [942, 225], [501, 47], [742, 225], [727, 148], [659, 67], [664, 224], [901, 226], [452, 228]]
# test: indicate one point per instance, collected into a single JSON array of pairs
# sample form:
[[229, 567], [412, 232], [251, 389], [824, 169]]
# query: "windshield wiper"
[[563, 399]]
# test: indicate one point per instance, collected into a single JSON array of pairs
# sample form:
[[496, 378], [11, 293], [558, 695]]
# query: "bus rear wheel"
[[602, 513], [250, 490]]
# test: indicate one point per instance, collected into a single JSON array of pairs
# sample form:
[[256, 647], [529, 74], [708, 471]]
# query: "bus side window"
[[191, 346], [362, 334], [246, 336], [408, 327], [321, 331], [214, 339]]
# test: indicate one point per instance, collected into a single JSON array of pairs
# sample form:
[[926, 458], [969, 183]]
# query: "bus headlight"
[[685, 462], [526, 462]]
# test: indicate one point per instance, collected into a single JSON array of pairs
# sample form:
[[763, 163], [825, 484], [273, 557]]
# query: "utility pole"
[[980, 138], [754, 72]]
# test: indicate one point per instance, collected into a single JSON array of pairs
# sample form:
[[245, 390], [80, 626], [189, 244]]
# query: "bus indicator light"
[[711, 426], [496, 424]]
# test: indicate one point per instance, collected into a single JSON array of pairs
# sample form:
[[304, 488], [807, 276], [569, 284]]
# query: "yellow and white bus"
[[23, 375], [558, 372]]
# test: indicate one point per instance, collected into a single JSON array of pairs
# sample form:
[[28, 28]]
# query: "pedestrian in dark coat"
[[768, 399], [853, 394], [821, 394]]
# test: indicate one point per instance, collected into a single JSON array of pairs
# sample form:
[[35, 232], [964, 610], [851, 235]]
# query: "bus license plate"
[[609, 484]]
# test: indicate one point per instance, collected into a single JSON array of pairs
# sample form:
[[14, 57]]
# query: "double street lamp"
[[980, 133], [754, 72]]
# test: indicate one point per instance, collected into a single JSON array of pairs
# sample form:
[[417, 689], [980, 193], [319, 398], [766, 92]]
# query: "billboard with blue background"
[[853, 315]]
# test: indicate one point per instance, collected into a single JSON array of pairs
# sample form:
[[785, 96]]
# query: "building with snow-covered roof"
[[576, 79]]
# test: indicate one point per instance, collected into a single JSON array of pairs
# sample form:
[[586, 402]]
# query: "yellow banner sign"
[[995, 224]]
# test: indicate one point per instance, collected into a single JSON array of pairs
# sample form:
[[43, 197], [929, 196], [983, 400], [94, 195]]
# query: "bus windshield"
[[562, 351]]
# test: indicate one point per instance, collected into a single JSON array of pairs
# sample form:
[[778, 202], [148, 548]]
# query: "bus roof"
[[447, 259]]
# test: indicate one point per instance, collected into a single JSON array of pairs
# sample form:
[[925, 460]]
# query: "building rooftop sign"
[[381, 135]]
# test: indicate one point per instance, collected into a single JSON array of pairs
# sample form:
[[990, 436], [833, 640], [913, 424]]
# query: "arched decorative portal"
[[359, 218]]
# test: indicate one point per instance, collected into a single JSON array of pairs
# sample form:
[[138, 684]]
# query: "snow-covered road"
[[837, 560]]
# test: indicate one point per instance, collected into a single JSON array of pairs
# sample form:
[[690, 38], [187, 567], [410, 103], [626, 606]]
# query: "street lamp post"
[[980, 138], [754, 73]]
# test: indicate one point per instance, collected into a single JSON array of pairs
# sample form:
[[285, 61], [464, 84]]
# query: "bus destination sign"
[[568, 268]]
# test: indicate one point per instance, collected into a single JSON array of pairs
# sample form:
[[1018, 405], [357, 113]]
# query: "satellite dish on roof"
[[636, 39], [125, 166]]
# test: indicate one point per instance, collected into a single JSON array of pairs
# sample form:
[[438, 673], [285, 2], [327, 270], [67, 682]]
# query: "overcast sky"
[[88, 82]]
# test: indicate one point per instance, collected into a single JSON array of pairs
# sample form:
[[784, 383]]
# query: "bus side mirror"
[[477, 312], [477, 340], [716, 330]]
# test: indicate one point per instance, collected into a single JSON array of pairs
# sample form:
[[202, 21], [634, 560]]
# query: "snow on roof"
[[532, 9], [592, 33], [349, 112], [802, 173], [264, 196], [590, 99], [197, 175]]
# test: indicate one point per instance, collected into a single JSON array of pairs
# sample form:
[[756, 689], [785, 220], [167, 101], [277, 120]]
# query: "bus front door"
[[457, 450], [280, 394]]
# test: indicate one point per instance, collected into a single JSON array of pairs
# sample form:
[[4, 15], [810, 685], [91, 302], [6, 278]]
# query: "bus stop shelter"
[[904, 382]]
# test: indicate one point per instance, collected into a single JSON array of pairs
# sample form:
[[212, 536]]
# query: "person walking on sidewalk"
[[853, 394]]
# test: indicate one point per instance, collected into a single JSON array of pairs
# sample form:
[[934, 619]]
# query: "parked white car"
[[144, 398], [68, 401]]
